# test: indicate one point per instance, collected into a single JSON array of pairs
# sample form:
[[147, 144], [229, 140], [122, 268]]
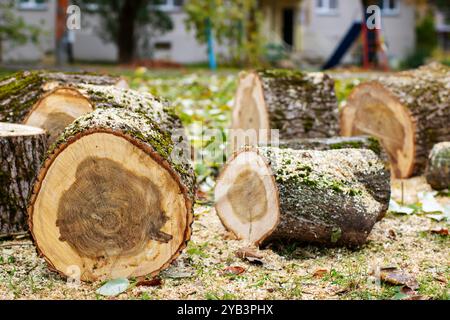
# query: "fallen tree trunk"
[[408, 112], [438, 168], [299, 105], [325, 197], [22, 149], [44, 99], [114, 197]]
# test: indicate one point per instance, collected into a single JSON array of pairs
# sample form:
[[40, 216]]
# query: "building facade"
[[309, 29]]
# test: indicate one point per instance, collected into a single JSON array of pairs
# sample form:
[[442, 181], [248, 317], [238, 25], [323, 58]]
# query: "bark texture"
[[438, 169], [21, 91], [322, 144], [20, 160], [328, 197], [300, 105]]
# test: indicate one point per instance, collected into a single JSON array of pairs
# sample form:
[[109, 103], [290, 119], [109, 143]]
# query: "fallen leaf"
[[233, 270], [392, 235], [248, 252], [250, 255], [397, 277], [441, 231], [113, 287], [395, 207], [429, 202], [155, 282], [319, 273]]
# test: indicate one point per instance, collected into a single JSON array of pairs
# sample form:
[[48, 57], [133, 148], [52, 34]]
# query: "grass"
[[204, 101]]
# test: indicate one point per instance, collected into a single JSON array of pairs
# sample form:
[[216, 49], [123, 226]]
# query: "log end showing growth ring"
[[107, 206]]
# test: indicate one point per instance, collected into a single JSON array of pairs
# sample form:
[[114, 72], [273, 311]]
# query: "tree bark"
[[324, 197], [409, 112], [20, 92], [322, 144], [126, 36], [299, 105], [438, 168], [125, 194], [22, 149]]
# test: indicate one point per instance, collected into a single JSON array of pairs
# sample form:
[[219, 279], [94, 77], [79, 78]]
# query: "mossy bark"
[[20, 161], [438, 169], [144, 103], [20, 91], [425, 92], [329, 197], [300, 105], [322, 144]]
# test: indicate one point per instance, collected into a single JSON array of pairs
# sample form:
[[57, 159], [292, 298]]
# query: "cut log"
[[22, 150], [114, 197], [45, 99], [299, 105], [322, 144], [409, 112], [438, 168], [324, 197]]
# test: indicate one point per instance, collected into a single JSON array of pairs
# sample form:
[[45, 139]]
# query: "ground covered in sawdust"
[[405, 242]]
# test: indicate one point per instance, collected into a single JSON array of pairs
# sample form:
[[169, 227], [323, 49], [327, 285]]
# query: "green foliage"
[[426, 43], [13, 28], [237, 24]]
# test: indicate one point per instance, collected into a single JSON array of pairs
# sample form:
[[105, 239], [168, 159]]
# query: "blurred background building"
[[308, 31]]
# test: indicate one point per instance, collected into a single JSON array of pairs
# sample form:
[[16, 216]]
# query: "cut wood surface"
[[438, 168], [114, 198], [22, 150], [409, 112], [329, 197], [299, 105], [48, 100]]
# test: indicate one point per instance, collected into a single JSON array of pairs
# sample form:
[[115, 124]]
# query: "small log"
[[438, 169], [114, 197], [22, 150], [299, 105], [324, 197], [43, 99], [408, 112]]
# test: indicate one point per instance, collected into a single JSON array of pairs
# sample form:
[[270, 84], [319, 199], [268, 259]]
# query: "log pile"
[[113, 197], [329, 197], [408, 112], [22, 149], [299, 105], [48, 100], [438, 168]]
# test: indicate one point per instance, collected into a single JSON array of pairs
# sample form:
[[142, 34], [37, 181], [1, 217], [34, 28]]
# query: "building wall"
[[321, 33], [315, 35], [45, 20]]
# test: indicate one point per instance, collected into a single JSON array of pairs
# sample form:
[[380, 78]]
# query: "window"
[[389, 7], [32, 4], [168, 5], [326, 6]]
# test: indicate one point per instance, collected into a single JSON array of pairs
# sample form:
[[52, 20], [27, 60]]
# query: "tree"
[[236, 24], [121, 19], [13, 29]]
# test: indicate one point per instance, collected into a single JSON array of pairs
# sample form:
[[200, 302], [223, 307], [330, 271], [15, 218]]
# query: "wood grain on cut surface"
[[408, 112], [111, 200], [325, 197]]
